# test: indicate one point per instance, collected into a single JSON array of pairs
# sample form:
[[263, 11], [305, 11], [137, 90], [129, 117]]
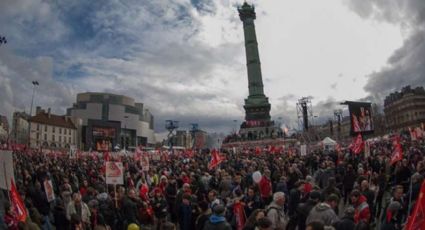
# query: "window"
[[60, 130], [53, 137], [45, 137], [60, 138], [53, 129], [69, 131], [69, 140], [45, 128], [38, 127]]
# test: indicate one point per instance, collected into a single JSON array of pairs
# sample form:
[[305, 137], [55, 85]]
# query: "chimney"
[[48, 112], [37, 110]]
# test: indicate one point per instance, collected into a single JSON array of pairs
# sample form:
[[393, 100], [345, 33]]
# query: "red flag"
[[338, 148], [216, 159], [417, 219], [257, 151], [17, 203], [106, 156], [238, 210], [397, 152], [357, 145]]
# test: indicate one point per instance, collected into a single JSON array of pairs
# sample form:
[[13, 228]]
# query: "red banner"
[[216, 159], [357, 145], [397, 152], [240, 215], [17, 203], [417, 219]]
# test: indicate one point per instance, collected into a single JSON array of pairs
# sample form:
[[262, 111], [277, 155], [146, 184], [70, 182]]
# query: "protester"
[[180, 188], [217, 220], [324, 212], [275, 211]]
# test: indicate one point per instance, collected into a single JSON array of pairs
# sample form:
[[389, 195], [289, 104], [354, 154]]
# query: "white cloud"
[[189, 63]]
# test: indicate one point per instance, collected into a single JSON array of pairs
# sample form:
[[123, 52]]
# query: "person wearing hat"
[[347, 221], [324, 212], [217, 221], [391, 222], [304, 209]]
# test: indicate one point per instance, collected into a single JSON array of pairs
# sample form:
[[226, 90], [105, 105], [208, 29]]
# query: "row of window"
[[54, 138], [65, 131]]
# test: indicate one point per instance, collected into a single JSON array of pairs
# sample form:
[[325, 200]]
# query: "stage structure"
[[304, 113], [171, 125]]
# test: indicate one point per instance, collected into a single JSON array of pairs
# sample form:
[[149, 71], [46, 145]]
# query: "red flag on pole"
[[417, 219], [397, 152], [17, 203], [238, 210], [216, 159], [357, 145]]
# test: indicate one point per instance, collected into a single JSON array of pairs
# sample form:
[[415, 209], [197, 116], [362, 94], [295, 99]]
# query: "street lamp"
[[34, 84], [125, 135]]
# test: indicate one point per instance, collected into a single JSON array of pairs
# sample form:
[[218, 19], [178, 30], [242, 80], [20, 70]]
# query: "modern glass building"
[[110, 121]]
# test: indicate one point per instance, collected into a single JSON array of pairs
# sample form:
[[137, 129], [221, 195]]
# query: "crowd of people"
[[248, 190]]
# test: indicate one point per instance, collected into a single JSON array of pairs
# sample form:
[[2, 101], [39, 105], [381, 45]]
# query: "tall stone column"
[[257, 106]]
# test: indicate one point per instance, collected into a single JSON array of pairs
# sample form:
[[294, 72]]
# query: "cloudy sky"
[[185, 58]]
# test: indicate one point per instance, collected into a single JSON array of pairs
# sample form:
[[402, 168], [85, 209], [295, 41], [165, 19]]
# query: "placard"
[[114, 172], [6, 169], [303, 150], [48, 188]]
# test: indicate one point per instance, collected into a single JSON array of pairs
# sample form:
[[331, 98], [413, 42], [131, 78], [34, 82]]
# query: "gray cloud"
[[406, 66]]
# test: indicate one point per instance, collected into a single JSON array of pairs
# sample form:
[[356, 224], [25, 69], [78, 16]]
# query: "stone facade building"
[[405, 109]]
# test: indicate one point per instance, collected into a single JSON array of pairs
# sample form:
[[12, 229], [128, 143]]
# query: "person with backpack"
[[304, 209], [275, 211], [217, 221]]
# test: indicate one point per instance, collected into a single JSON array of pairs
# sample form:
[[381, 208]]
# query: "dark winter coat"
[[217, 223]]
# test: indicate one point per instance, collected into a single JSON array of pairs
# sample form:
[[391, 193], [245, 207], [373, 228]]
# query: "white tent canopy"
[[328, 141]]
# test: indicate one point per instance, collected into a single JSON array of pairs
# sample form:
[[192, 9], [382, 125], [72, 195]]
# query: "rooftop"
[[54, 120]]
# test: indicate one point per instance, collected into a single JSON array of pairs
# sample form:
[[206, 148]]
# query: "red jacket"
[[265, 187], [11, 222], [362, 211]]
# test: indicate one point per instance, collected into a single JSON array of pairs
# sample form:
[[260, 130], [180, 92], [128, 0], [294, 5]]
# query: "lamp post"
[[34, 84], [125, 135]]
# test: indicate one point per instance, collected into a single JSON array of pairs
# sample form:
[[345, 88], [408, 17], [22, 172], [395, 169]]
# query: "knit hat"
[[219, 209]]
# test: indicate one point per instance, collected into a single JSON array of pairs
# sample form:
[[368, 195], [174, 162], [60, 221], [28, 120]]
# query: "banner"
[[48, 188], [361, 117], [145, 163], [6, 169], [216, 159], [17, 203], [239, 213], [417, 219], [303, 150], [72, 151], [114, 172]]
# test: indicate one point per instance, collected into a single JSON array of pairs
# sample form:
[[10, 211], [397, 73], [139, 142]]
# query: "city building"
[[4, 129], [200, 139], [111, 121], [19, 134], [405, 109], [50, 131], [182, 139]]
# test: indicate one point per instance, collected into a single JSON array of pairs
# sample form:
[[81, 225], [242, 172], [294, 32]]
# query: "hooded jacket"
[[275, 213], [216, 222], [362, 211], [322, 212]]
